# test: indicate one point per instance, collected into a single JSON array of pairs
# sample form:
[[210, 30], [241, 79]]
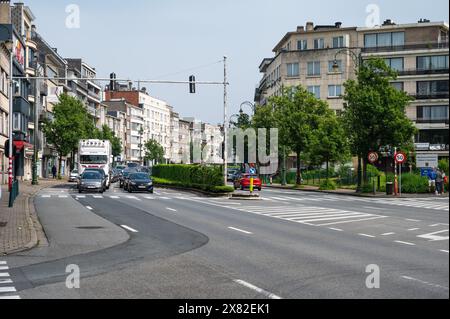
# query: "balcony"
[[21, 106], [431, 121], [407, 47], [430, 96], [422, 72]]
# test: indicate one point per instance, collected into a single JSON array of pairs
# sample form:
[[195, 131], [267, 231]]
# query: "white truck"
[[96, 154]]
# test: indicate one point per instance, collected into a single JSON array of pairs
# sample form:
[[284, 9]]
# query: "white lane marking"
[[2, 262], [413, 229], [404, 243], [149, 197], [365, 235], [318, 217], [336, 229], [439, 224], [7, 289], [257, 289], [114, 197], [371, 208], [63, 196], [4, 274], [434, 236], [164, 198], [387, 234], [97, 196], [5, 281], [129, 229], [9, 297], [133, 197], [89, 207], [46, 196], [4, 268], [444, 251], [412, 220], [352, 221], [279, 198], [171, 209], [81, 196], [240, 230], [424, 282], [331, 218]]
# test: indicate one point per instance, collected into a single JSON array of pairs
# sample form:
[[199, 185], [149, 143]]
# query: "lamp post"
[[36, 122], [358, 61]]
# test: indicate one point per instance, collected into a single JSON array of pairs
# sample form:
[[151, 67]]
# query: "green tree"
[[67, 127], [298, 115], [331, 142], [107, 134], [374, 114], [154, 152]]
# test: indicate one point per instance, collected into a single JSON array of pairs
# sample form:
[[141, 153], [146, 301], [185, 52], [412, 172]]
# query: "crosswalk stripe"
[[9, 297], [2, 262], [334, 218], [7, 289], [323, 216], [5, 281], [4, 274], [4, 268], [310, 215]]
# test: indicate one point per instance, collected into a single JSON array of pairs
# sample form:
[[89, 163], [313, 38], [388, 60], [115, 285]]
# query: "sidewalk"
[[19, 225], [351, 192]]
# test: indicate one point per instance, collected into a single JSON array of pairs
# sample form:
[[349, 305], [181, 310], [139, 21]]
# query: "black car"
[[139, 182], [102, 173], [124, 176]]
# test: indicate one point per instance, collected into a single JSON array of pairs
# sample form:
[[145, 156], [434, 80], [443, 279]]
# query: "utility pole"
[[11, 111], [225, 121], [36, 126]]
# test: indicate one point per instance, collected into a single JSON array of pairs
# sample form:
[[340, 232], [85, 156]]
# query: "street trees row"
[[373, 116], [71, 123]]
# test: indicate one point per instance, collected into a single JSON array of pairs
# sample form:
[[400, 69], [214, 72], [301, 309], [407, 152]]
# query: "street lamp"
[[250, 104], [39, 69]]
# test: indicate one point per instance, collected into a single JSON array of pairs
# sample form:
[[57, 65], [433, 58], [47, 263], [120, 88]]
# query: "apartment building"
[[184, 138], [156, 113], [133, 137], [117, 122], [4, 109], [418, 51], [175, 150]]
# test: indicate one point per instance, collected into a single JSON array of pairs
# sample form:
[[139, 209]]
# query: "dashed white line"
[[404, 243], [171, 209], [412, 220], [387, 234], [366, 235], [424, 282], [413, 229], [89, 207], [63, 196], [336, 229], [444, 251], [240, 230], [114, 197], [257, 289], [129, 229]]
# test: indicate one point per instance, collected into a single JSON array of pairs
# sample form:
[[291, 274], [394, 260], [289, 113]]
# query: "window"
[[17, 122], [338, 42], [293, 69], [51, 73], [427, 88], [319, 43], [385, 39], [430, 114], [331, 66], [395, 63], [314, 68], [435, 62], [334, 90], [314, 89], [288, 46], [397, 85], [302, 45]]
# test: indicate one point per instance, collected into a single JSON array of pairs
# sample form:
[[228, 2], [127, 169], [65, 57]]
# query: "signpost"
[[400, 158]]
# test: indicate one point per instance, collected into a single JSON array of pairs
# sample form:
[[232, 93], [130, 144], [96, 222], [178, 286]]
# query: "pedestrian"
[[439, 182], [54, 170], [433, 180]]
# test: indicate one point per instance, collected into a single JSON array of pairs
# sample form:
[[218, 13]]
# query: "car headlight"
[[133, 183], [150, 184]]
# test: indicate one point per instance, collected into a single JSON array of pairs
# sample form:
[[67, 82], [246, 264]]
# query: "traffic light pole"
[[11, 111], [225, 122]]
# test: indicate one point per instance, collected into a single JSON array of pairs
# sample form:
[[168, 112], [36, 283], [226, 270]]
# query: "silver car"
[[91, 181], [74, 176]]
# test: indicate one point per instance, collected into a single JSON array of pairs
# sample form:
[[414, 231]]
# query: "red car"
[[243, 182]]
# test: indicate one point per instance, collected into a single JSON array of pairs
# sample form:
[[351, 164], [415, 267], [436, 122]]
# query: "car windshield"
[[121, 167], [139, 176], [94, 159], [91, 175], [75, 171], [133, 165], [98, 171]]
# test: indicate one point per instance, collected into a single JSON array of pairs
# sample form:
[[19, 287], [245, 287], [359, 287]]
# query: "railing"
[[422, 71], [437, 95], [13, 193], [432, 121], [405, 47]]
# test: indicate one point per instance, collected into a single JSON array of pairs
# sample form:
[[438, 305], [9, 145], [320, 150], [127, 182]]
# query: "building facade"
[[418, 51]]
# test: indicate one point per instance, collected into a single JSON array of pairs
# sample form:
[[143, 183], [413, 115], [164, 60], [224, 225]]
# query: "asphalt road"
[[289, 244]]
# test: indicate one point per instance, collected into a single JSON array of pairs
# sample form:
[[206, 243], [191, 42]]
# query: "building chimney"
[[5, 12], [309, 26], [112, 83], [300, 28], [130, 86], [388, 22], [338, 25]]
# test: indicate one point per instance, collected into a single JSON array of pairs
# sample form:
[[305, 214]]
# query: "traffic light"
[[192, 84]]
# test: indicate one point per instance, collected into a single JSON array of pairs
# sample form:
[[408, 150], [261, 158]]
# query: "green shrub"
[[327, 185], [367, 188], [223, 189], [414, 184], [204, 187], [443, 165], [191, 174]]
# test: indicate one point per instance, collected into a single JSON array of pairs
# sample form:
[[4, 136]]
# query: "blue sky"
[[148, 39]]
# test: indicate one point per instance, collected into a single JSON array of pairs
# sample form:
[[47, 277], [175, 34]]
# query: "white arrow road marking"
[[434, 236]]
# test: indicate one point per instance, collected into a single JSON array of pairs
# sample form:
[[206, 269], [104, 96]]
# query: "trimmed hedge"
[[207, 188], [327, 185], [206, 176], [412, 183]]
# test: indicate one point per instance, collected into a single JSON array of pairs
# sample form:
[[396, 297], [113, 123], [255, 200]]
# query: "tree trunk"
[[359, 174], [59, 166], [299, 171], [327, 169]]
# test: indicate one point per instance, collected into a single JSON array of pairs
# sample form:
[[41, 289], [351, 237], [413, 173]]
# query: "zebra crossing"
[[7, 290], [310, 215]]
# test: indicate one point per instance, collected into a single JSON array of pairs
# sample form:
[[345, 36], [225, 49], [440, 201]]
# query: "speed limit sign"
[[400, 158], [373, 157]]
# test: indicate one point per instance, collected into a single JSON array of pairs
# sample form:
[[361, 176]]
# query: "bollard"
[[251, 185]]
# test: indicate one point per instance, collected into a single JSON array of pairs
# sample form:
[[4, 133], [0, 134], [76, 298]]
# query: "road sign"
[[373, 157], [252, 171], [400, 158]]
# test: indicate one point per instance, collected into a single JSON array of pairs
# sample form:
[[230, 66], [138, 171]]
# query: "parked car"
[[242, 182], [133, 165], [74, 176], [232, 173], [115, 175], [124, 176], [91, 181], [139, 182], [102, 173], [145, 169]]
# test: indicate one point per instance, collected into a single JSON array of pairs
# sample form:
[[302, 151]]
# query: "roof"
[[405, 25]]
